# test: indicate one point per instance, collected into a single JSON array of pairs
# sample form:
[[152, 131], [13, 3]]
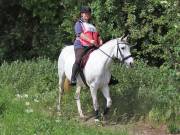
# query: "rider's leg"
[[74, 73], [79, 52]]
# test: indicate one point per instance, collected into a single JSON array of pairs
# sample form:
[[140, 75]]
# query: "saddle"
[[83, 63], [86, 57]]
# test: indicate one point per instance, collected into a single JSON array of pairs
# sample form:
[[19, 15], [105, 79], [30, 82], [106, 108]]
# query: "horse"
[[96, 71]]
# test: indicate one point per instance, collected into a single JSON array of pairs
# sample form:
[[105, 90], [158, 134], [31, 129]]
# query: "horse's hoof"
[[83, 117]]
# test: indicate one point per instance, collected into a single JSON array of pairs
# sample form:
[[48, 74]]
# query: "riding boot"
[[113, 80], [74, 73]]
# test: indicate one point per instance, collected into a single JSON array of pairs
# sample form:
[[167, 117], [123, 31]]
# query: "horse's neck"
[[106, 53]]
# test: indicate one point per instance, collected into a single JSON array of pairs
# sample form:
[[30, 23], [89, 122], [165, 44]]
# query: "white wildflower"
[[29, 110], [57, 121], [178, 73], [164, 2], [18, 96], [35, 100], [25, 95], [175, 25], [27, 103]]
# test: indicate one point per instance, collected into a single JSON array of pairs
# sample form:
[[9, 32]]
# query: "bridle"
[[118, 51], [122, 56]]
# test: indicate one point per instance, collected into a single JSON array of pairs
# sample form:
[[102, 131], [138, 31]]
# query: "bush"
[[144, 91], [173, 128], [38, 76]]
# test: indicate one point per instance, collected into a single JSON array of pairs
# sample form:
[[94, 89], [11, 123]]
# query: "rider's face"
[[86, 16]]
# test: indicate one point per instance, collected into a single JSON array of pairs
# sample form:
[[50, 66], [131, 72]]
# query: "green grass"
[[28, 99], [28, 95], [26, 116]]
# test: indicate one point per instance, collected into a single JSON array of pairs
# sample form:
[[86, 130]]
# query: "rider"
[[86, 36]]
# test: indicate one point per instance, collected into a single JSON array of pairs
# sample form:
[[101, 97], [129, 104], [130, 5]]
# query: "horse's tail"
[[67, 86]]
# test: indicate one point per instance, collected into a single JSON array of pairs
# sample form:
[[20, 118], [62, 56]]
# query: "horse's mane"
[[106, 44]]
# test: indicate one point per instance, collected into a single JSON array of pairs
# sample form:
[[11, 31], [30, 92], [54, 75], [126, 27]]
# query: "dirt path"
[[139, 128], [147, 129]]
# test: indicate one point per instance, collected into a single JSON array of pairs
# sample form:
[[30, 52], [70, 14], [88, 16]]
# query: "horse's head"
[[122, 51]]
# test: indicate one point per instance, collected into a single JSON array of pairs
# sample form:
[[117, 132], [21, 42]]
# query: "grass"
[[28, 99], [26, 116], [28, 94]]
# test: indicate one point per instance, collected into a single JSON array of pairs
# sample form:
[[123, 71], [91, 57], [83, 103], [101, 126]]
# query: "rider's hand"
[[100, 42], [93, 42]]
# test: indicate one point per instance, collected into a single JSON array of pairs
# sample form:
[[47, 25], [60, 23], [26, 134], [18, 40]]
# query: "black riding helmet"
[[85, 9]]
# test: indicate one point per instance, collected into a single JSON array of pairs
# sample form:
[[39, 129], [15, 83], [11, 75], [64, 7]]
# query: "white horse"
[[96, 71]]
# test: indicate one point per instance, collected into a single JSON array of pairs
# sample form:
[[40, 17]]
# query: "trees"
[[31, 28]]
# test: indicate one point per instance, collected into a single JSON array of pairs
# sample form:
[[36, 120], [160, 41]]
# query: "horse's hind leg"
[[95, 102], [77, 97], [105, 91], [61, 90]]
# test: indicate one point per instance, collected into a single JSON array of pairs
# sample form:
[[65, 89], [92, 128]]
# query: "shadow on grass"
[[127, 106]]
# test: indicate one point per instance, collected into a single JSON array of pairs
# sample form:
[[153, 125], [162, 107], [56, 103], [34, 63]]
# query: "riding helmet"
[[85, 9]]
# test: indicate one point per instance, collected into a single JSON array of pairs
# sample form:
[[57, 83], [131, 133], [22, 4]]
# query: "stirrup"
[[73, 82], [113, 81]]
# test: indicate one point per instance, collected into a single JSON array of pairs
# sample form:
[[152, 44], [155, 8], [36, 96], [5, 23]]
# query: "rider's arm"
[[83, 36], [78, 29], [79, 33]]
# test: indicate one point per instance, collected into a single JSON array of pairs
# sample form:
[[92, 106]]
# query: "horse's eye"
[[122, 48]]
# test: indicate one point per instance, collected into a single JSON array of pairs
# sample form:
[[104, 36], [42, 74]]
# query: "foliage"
[[147, 91], [31, 28], [173, 128]]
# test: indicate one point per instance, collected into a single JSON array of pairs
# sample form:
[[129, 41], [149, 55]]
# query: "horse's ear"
[[125, 38], [121, 38]]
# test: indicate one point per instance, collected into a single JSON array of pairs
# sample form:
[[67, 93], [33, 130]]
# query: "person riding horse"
[[86, 37]]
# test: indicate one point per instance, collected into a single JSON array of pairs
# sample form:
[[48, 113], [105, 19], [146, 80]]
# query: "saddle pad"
[[86, 57]]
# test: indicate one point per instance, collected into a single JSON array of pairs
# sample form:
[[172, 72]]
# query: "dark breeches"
[[79, 52]]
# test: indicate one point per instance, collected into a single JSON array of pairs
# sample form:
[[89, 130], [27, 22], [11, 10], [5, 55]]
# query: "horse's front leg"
[[106, 93], [95, 102], [61, 91], [77, 97]]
